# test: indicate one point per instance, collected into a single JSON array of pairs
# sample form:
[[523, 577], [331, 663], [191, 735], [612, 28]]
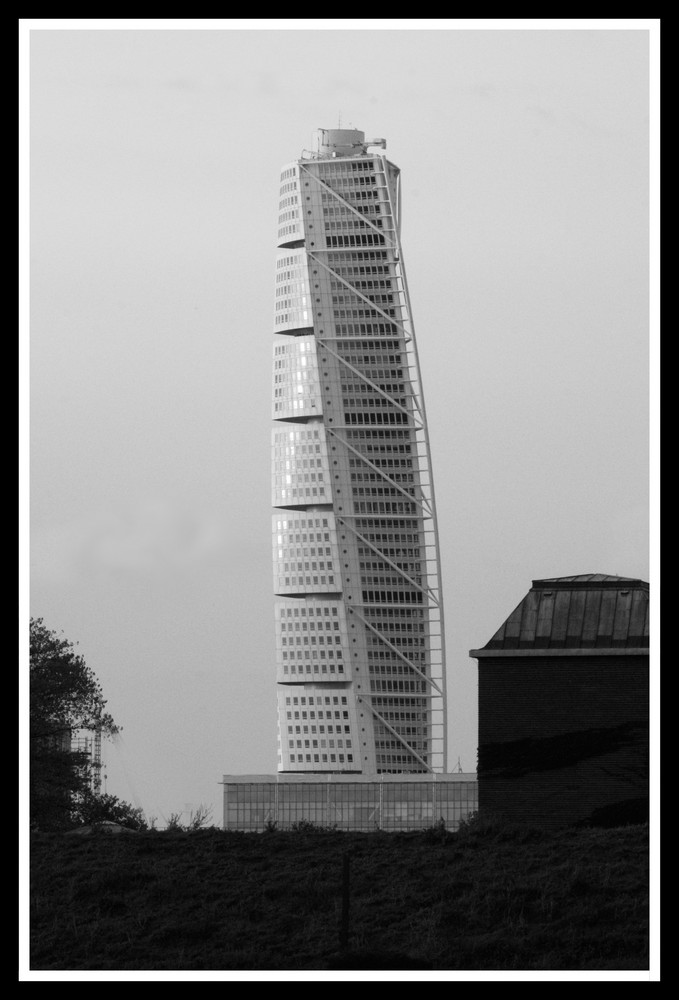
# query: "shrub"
[[436, 834], [93, 808], [173, 822], [198, 820], [307, 826], [494, 828]]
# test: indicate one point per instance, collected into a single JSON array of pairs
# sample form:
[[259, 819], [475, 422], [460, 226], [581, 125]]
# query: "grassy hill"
[[485, 898]]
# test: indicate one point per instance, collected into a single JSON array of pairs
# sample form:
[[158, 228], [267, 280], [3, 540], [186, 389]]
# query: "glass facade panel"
[[293, 297], [296, 387], [361, 806]]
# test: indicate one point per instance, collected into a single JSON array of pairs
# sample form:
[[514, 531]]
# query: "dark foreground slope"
[[482, 899]]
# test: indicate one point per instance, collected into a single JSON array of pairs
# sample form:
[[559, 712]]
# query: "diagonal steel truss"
[[390, 240], [428, 592], [397, 651], [395, 733]]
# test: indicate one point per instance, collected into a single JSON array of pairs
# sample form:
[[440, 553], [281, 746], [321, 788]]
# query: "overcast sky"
[[155, 161]]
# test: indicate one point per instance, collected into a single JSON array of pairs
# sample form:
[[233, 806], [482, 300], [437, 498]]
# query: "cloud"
[[182, 83], [150, 538], [626, 542]]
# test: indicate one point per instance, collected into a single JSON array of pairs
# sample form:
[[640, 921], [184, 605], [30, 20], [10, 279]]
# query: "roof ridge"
[[588, 579]]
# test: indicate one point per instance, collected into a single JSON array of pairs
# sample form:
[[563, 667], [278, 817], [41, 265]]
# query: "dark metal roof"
[[591, 611], [588, 580]]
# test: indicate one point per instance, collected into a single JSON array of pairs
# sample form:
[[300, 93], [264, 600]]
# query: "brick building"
[[564, 705]]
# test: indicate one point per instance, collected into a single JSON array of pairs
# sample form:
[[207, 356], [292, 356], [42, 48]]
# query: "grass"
[[485, 898]]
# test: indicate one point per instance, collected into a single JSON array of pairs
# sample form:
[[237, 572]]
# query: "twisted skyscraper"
[[359, 616]]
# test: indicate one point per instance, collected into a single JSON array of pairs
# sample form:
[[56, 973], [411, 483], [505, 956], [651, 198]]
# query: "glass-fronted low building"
[[348, 802]]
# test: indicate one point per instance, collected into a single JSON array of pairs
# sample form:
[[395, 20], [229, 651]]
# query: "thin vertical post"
[[344, 925]]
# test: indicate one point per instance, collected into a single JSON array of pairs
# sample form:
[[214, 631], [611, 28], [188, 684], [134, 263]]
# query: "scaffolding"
[[88, 742]]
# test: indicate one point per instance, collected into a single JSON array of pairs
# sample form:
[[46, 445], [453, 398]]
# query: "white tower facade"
[[359, 613]]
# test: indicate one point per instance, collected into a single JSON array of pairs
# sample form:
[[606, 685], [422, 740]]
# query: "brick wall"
[[563, 739]]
